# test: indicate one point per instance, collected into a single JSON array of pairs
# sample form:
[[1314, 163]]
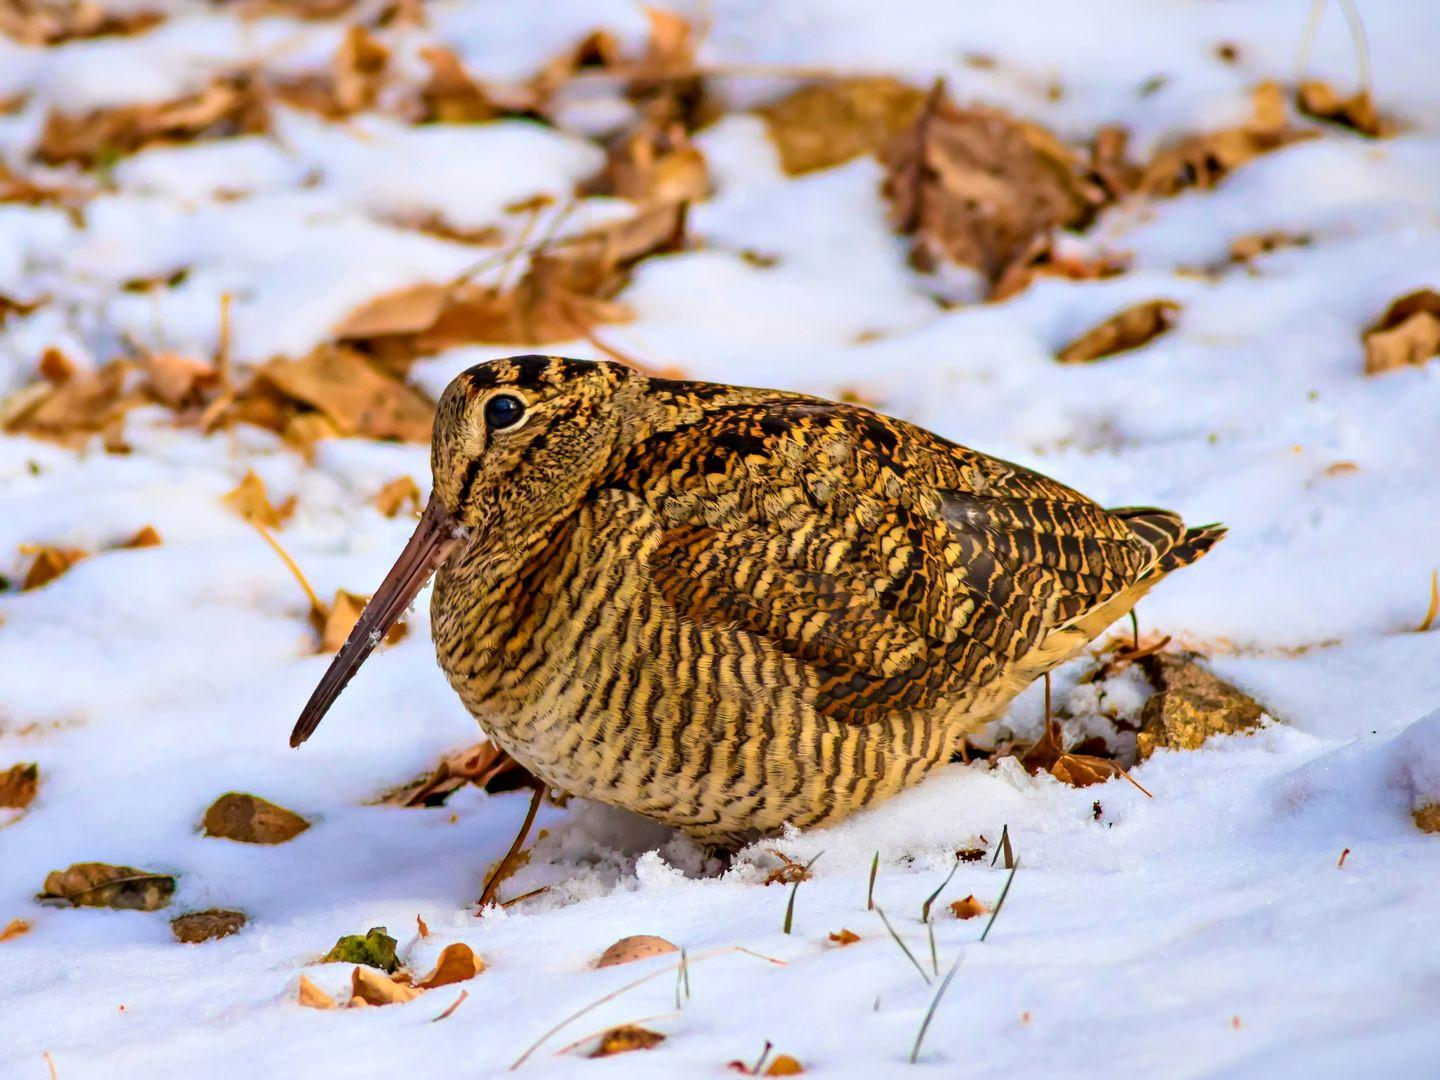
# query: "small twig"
[[453, 1006], [1004, 846], [934, 1004], [1132, 780], [802, 876], [315, 604], [1001, 902], [526, 896], [49, 1061], [498, 875], [222, 351], [1343, 856], [870, 893], [925, 907], [1434, 609], [903, 947]]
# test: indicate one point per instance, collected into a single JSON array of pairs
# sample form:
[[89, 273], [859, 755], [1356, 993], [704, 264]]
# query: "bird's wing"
[[897, 567]]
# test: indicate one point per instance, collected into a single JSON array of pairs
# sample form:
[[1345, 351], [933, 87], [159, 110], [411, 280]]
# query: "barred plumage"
[[731, 608]]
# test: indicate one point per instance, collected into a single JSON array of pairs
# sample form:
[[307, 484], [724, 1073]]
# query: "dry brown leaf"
[[977, 188], [480, 764], [398, 494], [1427, 817], [421, 927], [1042, 260], [625, 1038], [1319, 99], [405, 311], [829, 123], [147, 537], [1131, 328], [1407, 334], [1252, 246], [250, 819], [230, 105], [653, 163], [784, 1065], [56, 366], [179, 380], [312, 997], [335, 622], [371, 987], [457, 963], [102, 885], [967, 908], [354, 394], [13, 929], [1204, 160], [52, 22], [81, 406], [1082, 770], [358, 70], [252, 502], [1189, 706], [50, 562], [636, 947], [198, 926], [844, 937], [19, 785], [789, 872], [452, 95]]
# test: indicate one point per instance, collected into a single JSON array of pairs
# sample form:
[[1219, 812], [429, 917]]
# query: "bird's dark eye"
[[503, 411]]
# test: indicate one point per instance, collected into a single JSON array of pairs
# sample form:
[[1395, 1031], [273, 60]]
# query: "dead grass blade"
[[925, 907], [804, 875], [1004, 846], [1434, 609], [903, 947], [453, 1006], [1000, 902], [934, 1004], [870, 893]]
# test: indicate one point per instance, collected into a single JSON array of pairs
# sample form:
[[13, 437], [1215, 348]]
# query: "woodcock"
[[729, 608]]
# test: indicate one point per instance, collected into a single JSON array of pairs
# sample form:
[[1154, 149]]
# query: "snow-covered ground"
[[1206, 931]]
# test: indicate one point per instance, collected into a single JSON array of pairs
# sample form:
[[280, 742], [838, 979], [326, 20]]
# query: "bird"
[[732, 609]]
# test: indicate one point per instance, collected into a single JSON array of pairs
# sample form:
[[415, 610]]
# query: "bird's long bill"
[[432, 542]]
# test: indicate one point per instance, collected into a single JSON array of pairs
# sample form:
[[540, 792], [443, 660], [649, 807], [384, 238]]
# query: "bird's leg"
[[1052, 730], [492, 886]]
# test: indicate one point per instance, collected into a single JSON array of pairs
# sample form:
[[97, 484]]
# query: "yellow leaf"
[[967, 908], [340, 618], [251, 501], [371, 987], [456, 964], [397, 494], [312, 997], [784, 1065], [50, 563]]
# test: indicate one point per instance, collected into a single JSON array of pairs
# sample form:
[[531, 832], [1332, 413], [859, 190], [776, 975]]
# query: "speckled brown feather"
[[731, 608]]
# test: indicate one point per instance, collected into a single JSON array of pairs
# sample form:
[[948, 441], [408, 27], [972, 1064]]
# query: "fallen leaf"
[[451, 95], [457, 963], [13, 929], [179, 380], [1190, 705], [252, 502], [637, 947], [1204, 160], [976, 188], [1082, 770], [829, 123], [973, 854], [50, 562], [1252, 246], [250, 819], [845, 937], [481, 765], [354, 394], [103, 885], [397, 495], [784, 1065], [1131, 328], [1319, 99], [147, 537], [625, 1038], [312, 997], [83, 405], [358, 70], [18, 785], [1408, 334], [371, 987], [198, 926], [56, 366], [652, 164], [404, 311], [421, 927], [336, 621], [1042, 260], [1427, 817], [967, 908], [53, 22], [375, 949]]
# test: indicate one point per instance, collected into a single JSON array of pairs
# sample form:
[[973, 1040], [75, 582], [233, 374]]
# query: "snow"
[[1206, 931]]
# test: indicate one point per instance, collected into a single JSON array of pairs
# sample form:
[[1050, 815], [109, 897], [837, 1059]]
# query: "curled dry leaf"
[[371, 987], [198, 926], [312, 997], [252, 820], [457, 962], [19, 784], [353, 394], [13, 929], [789, 872], [625, 1038], [844, 937], [1131, 328], [977, 188], [398, 494], [483, 764], [147, 536], [829, 123], [336, 621], [252, 502], [655, 163], [1427, 817], [1407, 334], [637, 947], [784, 1065], [967, 908], [375, 948], [1319, 99], [50, 562], [1190, 705], [103, 885]]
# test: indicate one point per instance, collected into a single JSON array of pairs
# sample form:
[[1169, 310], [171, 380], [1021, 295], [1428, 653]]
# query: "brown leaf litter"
[[1190, 705], [1318, 99], [1407, 335], [829, 123], [352, 83], [789, 872], [844, 937], [484, 764], [653, 163], [19, 785], [50, 562], [1136, 325], [200, 926], [102, 885], [636, 947], [1427, 817], [53, 22], [252, 502], [968, 908], [312, 997], [402, 493], [624, 1039], [13, 929], [250, 819], [369, 986]]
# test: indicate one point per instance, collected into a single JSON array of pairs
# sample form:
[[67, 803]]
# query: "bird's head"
[[517, 443]]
